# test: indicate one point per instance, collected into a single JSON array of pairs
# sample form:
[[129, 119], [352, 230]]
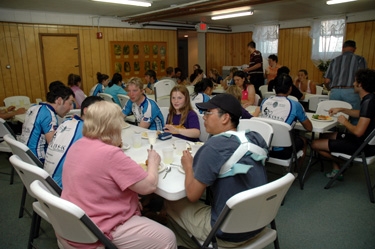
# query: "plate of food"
[[161, 167], [321, 118], [145, 136]]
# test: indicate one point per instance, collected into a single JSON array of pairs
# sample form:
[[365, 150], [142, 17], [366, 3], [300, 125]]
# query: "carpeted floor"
[[341, 217]]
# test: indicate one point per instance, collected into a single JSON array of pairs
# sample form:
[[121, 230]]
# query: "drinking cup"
[[168, 155], [151, 137], [180, 146], [137, 140]]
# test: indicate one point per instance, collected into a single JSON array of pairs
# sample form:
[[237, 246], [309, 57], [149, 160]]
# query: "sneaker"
[[333, 173]]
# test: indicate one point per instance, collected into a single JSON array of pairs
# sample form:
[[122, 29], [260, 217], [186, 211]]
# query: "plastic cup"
[[168, 155], [180, 146], [137, 140], [151, 137]]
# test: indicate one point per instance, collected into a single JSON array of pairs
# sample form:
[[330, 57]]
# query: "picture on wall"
[[135, 58]]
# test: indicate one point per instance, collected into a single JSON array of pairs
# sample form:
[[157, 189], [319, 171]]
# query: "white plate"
[[162, 166], [125, 126], [125, 146], [322, 120]]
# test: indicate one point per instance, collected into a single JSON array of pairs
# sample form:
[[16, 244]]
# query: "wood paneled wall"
[[294, 48], [20, 48]]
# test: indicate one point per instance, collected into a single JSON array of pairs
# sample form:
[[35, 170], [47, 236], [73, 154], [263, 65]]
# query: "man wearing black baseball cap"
[[191, 216]]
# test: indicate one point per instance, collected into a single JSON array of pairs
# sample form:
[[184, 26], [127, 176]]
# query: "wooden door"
[[60, 56]]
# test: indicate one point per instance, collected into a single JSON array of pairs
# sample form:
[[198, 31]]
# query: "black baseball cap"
[[225, 102]]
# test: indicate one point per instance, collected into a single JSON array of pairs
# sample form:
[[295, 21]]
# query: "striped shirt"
[[342, 69]]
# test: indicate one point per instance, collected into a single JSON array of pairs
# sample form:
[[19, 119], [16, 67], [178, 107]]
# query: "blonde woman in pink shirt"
[[105, 183]]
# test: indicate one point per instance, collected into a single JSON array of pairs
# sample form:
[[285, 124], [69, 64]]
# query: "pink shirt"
[[79, 96], [245, 94], [96, 177]]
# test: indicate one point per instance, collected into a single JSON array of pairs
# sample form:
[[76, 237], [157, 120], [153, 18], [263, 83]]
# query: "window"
[[266, 39], [327, 39]]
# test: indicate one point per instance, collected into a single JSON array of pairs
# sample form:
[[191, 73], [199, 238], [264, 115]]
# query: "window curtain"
[[266, 38], [327, 39]]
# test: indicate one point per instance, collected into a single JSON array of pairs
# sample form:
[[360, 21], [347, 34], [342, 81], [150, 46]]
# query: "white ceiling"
[[274, 11]]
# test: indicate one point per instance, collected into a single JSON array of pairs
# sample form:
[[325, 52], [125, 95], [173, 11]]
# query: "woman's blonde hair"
[[104, 121], [184, 110], [235, 91], [136, 81]]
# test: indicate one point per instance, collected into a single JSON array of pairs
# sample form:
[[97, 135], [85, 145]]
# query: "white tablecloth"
[[172, 187]]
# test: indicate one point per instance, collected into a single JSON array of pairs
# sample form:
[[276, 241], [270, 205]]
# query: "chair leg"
[[23, 200], [32, 230], [342, 169], [11, 176], [276, 242], [368, 180], [37, 226]]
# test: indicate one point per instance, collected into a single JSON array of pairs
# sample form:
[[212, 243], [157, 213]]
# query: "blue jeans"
[[347, 95]]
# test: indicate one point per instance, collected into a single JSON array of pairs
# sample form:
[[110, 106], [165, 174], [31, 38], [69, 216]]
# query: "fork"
[[167, 171]]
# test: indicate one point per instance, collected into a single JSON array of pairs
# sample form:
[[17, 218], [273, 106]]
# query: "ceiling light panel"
[[126, 2], [238, 14], [339, 1]]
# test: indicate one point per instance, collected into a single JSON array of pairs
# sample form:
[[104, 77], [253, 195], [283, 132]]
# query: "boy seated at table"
[[65, 136], [147, 113], [348, 143], [280, 107]]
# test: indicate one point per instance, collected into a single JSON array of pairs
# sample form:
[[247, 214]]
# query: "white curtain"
[[266, 38], [327, 39]]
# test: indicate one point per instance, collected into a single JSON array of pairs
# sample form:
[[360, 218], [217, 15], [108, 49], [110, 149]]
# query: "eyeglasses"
[[206, 113]]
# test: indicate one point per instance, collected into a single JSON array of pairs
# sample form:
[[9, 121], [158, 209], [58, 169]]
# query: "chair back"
[[107, 97], [29, 173], [281, 132], [319, 90], [165, 111], [68, 220], [292, 98], [123, 99], [19, 101], [314, 100], [324, 106], [204, 135], [252, 209], [22, 151], [263, 89], [266, 95], [4, 130], [190, 89], [264, 129], [162, 90], [257, 99]]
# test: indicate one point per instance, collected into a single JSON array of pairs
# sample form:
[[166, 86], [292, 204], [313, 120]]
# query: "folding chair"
[[360, 157], [251, 210], [165, 111], [203, 137], [162, 92], [263, 89], [319, 90], [264, 129], [29, 173], [292, 98], [4, 147], [257, 100], [123, 99], [68, 220], [324, 106], [19, 101], [314, 100], [27, 156], [283, 137], [107, 97]]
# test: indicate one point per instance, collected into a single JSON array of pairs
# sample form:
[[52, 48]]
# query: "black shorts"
[[286, 153], [348, 143]]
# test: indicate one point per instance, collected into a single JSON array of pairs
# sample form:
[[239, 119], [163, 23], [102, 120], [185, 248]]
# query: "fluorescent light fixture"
[[127, 2], [238, 14], [186, 36], [339, 1], [227, 11]]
